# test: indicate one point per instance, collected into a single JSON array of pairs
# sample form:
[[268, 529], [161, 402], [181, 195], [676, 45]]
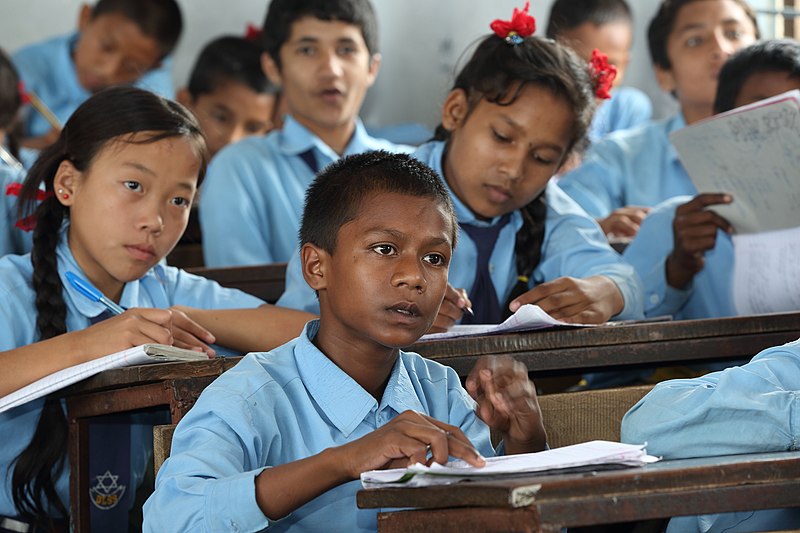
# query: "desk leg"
[[79, 474], [465, 520]]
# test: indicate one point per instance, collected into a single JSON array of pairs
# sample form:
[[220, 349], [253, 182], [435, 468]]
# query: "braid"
[[37, 467], [528, 246]]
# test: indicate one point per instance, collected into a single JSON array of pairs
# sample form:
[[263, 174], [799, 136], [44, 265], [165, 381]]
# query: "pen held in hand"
[[467, 309], [88, 290]]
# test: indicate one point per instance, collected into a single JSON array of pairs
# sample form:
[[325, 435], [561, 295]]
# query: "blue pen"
[[88, 290]]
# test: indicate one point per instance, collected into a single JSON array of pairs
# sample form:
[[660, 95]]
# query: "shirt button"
[[491, 268], [654, 298]]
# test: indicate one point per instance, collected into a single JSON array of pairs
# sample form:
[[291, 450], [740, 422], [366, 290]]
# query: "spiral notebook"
[[138, 355]]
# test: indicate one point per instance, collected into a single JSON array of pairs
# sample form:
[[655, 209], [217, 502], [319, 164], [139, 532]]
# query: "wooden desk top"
[[663, 343]]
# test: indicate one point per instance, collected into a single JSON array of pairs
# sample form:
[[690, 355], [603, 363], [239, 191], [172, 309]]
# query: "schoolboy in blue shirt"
[[324, 56], [630, 171], [747, 409], [118, 42], [377, 234], [683, 251], [606, 25]]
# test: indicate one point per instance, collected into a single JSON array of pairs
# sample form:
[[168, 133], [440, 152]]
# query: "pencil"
[[42, 108], [10, 160]]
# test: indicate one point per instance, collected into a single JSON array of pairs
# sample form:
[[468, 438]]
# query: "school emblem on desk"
[[106, 493]]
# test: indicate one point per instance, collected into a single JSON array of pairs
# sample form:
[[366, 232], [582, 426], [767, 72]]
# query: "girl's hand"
[[591, 300], [136, 326], [694, 231], [407, 439], [507, 402], [624, 222], [451, 310], [187, 333]]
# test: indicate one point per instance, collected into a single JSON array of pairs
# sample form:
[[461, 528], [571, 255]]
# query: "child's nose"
[[331, 63], [410, 273], [152, 220]]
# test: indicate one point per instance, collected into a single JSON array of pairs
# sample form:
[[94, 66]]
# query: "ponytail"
[[528, 246]]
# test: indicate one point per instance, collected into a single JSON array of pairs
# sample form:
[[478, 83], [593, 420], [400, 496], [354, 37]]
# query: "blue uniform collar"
[[296, 139], [672, 124], [344, 401]]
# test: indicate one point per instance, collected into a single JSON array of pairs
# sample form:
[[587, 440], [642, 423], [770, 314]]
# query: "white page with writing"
[[752, 153], [766, 273]]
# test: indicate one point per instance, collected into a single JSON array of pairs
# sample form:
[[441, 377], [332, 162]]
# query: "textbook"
[[753, 153], [138, 355], [592, 455]]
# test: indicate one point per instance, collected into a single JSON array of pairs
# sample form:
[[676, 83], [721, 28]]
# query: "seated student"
[[118, 42], [683, 251], [229, 93], [517, 109], [605, 25], [747, 409], [118, 185], [631, 170], [377, 236], [324, 56]]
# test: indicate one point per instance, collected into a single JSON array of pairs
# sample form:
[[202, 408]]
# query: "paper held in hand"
[[597, 453], [139, 355]]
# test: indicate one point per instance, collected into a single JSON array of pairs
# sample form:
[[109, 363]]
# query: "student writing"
[[279, 441]]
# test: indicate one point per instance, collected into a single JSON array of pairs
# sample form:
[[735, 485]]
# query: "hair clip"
[[515, 30], [602, 73], [14, 188], [252, 33]]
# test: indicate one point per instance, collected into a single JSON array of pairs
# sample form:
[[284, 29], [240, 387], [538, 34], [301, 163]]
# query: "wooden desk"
[[548, 503], [264, 281], [176, 385], [609, 347]]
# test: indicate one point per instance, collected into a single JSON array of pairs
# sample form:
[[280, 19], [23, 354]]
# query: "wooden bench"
[[264, 281]]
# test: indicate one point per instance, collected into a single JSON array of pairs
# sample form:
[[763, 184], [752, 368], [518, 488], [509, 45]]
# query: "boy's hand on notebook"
[[452, 309], [409, 438], [507, 402], [186, 333], [624, 222], [591, 300], [694, 231]]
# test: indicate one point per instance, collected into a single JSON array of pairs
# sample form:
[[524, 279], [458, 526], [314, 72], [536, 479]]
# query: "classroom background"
[[421, 43]]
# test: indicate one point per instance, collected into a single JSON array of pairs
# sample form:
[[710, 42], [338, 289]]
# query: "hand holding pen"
[[455, 304]]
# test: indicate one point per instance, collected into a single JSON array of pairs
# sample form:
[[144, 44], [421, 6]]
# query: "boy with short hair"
[[280, 440], [324, 56], [229, 92], [605, 25], [629, 171], [118, 42]]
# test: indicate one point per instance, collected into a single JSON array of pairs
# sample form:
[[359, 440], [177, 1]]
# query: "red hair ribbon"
[[252, 33], [515, 30], [603, 74], [22, 94], [29, 222]]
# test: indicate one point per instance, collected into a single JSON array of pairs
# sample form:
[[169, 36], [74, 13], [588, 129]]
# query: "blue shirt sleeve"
[[159, 80]]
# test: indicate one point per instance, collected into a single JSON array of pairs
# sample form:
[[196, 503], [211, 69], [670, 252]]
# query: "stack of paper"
[[597, 453]]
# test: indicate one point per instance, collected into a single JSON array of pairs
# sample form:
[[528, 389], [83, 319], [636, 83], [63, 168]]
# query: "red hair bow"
[[603, 74], [29, 222], [23, 95], [252, 33], [515, 30]]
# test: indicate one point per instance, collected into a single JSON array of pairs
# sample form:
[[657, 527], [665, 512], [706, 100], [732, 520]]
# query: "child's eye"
[[539, 158], [305, 50], [222, 118], [500, 137], [180, 202], [735, 35], [253, 128], [435, 259], [693, 42], [346, 50], [133, 185], [384, 249]]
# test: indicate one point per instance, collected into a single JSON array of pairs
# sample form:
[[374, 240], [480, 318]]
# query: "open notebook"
[[596, 454], [139, 355]]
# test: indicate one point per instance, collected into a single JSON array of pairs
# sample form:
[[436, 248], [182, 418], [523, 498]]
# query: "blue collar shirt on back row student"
[[161, 287], [573, 246], [252, 198], [13, 240], [47, 69]]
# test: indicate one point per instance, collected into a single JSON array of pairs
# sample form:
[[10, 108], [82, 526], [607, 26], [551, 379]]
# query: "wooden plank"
[[263, 281]]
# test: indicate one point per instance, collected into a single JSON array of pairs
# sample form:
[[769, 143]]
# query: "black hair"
[[229, 59], [111, 115], [283, 13], [334, 197], [159, 19], [663, 23], [10, 102], [776, 55], [497, 72], [569, 14]]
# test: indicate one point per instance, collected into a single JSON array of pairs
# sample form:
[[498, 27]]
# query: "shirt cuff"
[[231, 504]]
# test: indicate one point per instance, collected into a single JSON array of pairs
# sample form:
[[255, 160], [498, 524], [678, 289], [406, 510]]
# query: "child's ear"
[[184, 98], [66, 182], [271, 69], [84, 17], [665, 79], [455, 110], [314, 264], [374, 67]]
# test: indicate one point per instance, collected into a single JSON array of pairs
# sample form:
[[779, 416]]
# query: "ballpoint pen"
[[88, 290]]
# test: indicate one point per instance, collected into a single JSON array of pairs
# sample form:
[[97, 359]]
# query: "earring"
[[63, 194]]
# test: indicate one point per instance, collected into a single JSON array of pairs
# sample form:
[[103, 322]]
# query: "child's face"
[[499, 158], [765, 84], [112, 50], [325, 72], [230, 113], [129, 208], [705, 34], [384, 283], [612, 38]]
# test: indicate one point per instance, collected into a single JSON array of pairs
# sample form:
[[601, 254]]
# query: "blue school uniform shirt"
[[631, 167], [13, 240], [48, 70], [161, 287], [253, 195], [628, 107], [749, 409], [708, 295], [574, 245], [281, 406]]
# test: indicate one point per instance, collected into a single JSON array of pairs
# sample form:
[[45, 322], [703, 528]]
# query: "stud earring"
[[63, 194]]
